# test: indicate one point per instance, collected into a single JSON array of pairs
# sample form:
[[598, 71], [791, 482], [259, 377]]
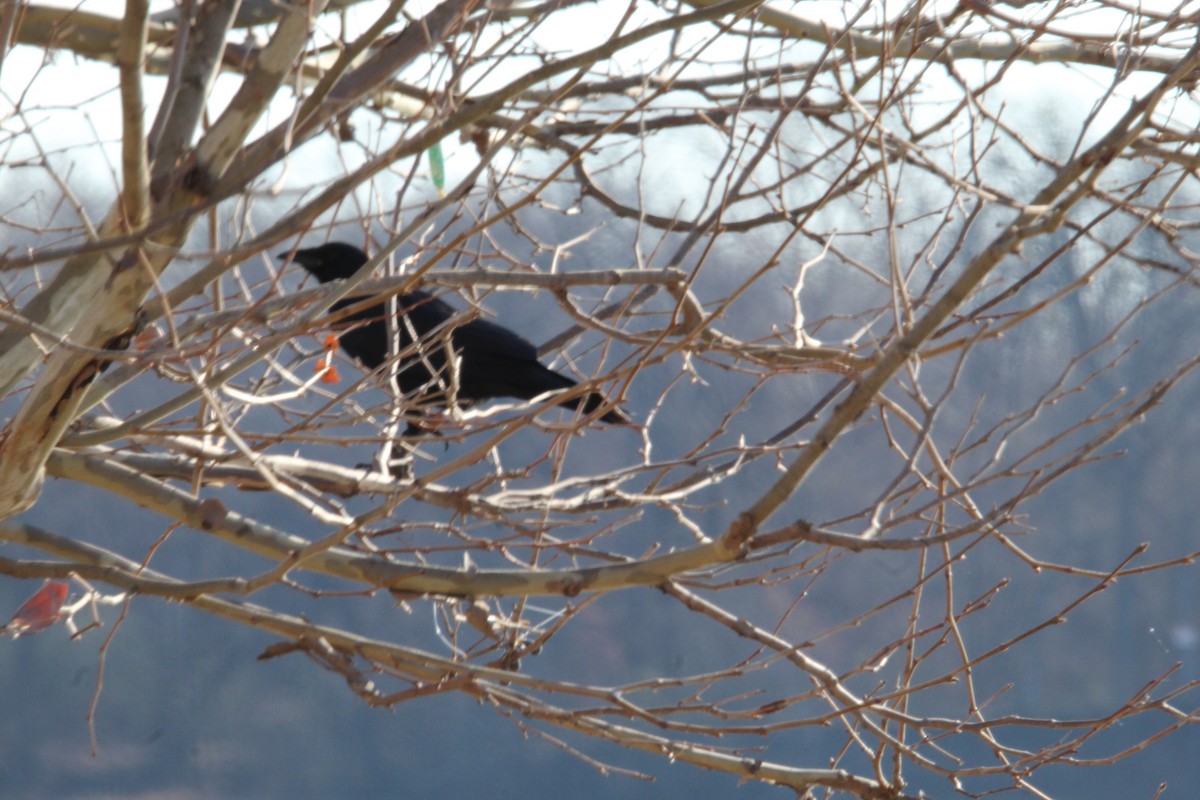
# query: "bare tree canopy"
[[886, 292]]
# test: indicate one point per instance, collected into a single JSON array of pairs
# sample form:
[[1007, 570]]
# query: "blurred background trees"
[[900, 299]]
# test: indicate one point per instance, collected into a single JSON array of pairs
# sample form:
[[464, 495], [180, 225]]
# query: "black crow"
[[494, 361]]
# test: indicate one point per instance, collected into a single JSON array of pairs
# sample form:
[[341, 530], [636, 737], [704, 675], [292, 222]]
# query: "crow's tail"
[[595, 400]]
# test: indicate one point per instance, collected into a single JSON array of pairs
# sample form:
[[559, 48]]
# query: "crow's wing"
[[479, 337], [496, 362]]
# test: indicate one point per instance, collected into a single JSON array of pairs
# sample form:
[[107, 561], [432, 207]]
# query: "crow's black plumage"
[[494, 361]]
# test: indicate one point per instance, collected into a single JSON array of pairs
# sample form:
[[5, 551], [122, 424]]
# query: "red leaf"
[[40, 611], [325, 363], [328, 370], [147, 337]]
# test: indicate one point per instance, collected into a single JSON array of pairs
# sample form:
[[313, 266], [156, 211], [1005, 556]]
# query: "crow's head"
[[329, 262]]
